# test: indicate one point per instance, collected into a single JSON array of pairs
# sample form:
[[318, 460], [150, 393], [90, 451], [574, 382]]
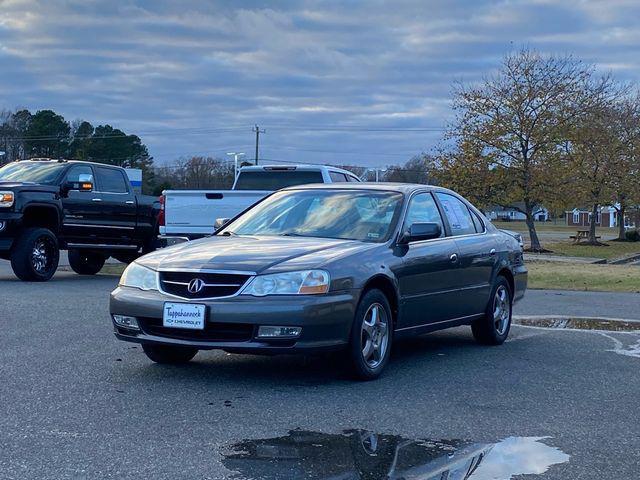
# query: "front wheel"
[[169, 354], [493, 328], [371, 336], [84, 262], [35, 255]]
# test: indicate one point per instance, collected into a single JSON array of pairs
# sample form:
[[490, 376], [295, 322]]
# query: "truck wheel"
[[126, 257], [35, 256], [84, 262]]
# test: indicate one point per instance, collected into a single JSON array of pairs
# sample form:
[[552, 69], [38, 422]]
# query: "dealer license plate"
[[184, 315]]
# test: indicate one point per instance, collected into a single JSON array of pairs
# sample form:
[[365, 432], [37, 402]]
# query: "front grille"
[[214, 285], [212, 332]]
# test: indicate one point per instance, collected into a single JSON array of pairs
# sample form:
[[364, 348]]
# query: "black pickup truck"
[[89, 209]]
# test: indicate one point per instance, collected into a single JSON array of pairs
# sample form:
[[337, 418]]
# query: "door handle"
[[96, 199], [492, 252], [453, 257], [129, 202]]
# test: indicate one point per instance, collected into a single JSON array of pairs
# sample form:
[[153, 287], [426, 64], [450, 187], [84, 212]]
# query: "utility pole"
[[257, 131]]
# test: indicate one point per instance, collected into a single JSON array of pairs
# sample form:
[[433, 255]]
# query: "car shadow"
[[434, 350]]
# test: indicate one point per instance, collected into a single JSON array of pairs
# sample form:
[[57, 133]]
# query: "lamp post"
[[235, 158]]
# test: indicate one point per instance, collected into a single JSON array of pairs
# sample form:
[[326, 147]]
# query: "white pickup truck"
[[190, 214]]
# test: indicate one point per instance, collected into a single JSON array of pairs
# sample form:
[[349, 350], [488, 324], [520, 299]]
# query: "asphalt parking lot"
[[76, 403]]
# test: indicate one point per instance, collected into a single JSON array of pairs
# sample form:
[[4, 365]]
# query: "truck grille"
[[201, 284], [212, 332]]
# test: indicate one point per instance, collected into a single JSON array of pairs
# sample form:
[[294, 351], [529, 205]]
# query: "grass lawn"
[[613, 250], [588, 277]]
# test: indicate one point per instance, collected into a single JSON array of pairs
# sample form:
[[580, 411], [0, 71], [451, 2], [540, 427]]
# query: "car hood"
[[252, 253]]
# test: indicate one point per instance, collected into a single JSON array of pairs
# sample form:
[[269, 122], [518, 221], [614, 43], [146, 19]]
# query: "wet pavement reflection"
[[358, 454]]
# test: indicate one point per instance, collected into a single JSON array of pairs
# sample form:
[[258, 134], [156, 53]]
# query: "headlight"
[[137, 276], [305, 282], [6, 199]]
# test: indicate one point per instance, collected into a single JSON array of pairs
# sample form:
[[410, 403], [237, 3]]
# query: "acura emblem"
[[196, 285]]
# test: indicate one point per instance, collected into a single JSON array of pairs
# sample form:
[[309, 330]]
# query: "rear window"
[[276, 179]]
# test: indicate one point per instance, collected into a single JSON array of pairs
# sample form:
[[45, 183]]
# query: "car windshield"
[[33, 172], [364, 215]]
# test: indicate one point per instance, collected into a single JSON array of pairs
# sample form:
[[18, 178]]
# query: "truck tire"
[[84, 262], [126, 257], [35, 255]]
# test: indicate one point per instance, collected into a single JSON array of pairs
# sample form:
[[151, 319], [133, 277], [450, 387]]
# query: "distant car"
[[190, 214], [89, 209], [342, 267]]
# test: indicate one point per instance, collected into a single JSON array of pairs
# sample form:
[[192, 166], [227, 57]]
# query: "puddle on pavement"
[[580, 324], [358, 454]]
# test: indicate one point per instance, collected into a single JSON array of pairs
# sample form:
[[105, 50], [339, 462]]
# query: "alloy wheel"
[[42, 255], [501, 310], [374, 335]]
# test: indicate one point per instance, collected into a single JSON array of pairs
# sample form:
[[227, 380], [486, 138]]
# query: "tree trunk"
[[592, 225], [621, 212], [533, 235]]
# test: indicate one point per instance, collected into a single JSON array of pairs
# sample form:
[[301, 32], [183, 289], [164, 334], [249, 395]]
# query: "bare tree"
[[520, 118]]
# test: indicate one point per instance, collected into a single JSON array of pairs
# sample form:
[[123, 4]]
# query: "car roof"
[[382, 186]]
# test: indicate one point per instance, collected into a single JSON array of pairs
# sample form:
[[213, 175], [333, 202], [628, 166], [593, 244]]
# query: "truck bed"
[[194, 212]]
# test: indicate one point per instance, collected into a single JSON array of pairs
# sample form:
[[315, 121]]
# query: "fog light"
[[2, 225], [279, 332], [125, 321]]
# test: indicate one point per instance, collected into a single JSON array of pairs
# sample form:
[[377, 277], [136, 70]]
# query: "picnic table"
[[582, 234]]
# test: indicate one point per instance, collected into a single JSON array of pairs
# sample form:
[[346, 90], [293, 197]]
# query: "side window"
[[80, 173], [477, 222], [111, 180], [423, 209], [458, 214], [337, 177]]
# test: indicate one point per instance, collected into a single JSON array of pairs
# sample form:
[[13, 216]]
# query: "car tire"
[[35, 256], [493, 328], [371, 336], [84, 262], [168, 354]]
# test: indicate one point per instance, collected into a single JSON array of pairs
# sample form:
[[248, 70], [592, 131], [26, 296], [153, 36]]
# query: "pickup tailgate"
[[194, 212]]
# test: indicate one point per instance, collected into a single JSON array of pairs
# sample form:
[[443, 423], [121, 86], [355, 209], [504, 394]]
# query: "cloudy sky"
[[338, 81]]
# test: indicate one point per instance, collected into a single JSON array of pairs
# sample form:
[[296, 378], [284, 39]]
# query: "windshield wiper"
[[228, 234], [292, 234]]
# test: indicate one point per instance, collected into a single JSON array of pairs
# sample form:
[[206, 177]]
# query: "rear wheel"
[[35, 255], [493, 328], [84, 262], [371, 336], [169, 354]]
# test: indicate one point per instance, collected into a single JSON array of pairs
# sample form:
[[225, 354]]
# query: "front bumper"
[[325, 320]]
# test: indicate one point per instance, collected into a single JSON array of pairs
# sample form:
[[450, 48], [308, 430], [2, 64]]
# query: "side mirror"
[[220, 222], [421, 231]]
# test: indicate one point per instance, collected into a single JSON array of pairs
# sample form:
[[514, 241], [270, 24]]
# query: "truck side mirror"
[[80, 186]]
